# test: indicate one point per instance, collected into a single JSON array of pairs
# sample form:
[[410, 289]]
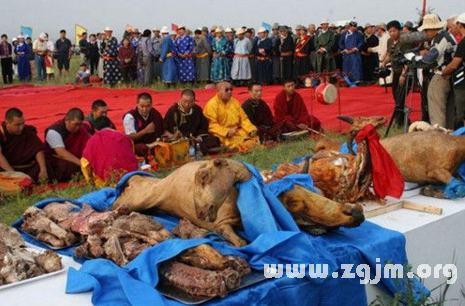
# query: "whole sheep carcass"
[[204, 193]]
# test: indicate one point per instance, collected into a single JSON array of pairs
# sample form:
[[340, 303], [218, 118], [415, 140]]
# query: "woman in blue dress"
[[111, 66], [24, 69], [169, 72], [220, 68]]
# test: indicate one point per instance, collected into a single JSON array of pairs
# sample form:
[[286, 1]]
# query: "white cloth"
[[381, 48], [54, 139]]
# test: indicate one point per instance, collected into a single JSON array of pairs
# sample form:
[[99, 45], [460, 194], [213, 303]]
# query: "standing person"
[[240, 70], [169, 73], [274, 56], [31, 57], [6, 58], [285, 49], [49, 65], [101, 47], [14, 43], [64, 52], [202, 51], [111, 65], [126, 56], [350, 44], [220, 68], [336, 54], [157, 41], [312, 34], [146, 54], [381, 49], [324, 43], [302, 63], [39, 47], [184, 49], [84, 48], [443, 45], [264, 66], [230, 36], [457, 62], [250, 34], [369, 58], [93, 54], [22, 51]]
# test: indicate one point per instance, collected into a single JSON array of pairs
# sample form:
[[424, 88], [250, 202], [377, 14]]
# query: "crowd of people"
[[92, 145], [226, 57]]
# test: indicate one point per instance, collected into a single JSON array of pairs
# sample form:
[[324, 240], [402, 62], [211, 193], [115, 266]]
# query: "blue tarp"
[[275, 239]]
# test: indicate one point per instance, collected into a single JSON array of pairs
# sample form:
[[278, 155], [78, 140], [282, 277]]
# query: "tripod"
[[404, 110]]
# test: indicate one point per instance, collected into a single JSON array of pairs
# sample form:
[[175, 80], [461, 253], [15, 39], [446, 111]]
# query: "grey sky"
[[52, 15]]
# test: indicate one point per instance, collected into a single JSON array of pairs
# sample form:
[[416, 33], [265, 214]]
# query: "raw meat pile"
[[17, 263], [202, 271]]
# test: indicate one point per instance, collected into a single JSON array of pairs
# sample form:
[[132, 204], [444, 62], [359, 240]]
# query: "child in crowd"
[[49, 63], [83, 75]]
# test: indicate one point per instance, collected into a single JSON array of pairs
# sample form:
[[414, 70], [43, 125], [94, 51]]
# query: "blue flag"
[[267, 26], [26, 31]]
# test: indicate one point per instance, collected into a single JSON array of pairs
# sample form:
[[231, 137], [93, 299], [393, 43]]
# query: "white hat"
[[108, 29], [261, 30], [14, 39], [431, 22], [324, 21], [173, 33], [461, 18], [165, 30], [20, 36], [228, 30], [155, 29], [181, 27], [219, 30], [240, 31], [43, 36]]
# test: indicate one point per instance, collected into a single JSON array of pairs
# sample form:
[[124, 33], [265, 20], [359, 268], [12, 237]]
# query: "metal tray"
[[49, 245], [37, 278], [176, 294]]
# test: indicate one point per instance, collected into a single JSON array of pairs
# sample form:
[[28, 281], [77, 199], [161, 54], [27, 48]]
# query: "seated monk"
[[291, 112], [260, 114], [144, 124], [21, 149], [228, 121], [108, 155], [64, 142], [186, 117], [99, 109]]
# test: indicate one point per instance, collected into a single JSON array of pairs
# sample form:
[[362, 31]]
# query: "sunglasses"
[[230, 89]]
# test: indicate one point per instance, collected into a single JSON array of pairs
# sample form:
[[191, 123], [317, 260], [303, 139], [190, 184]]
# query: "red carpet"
[[43, 105]]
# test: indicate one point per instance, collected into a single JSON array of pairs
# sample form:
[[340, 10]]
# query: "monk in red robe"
[[99, 109], [260, 114], [291, 112], [20, 148], [143, 125], [108, 155], [65, 141], [186, 118]]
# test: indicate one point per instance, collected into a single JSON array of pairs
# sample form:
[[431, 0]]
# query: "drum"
[[14, 182], [326, 93]]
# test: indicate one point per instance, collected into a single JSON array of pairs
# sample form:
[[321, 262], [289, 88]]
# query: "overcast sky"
[[52, 15]]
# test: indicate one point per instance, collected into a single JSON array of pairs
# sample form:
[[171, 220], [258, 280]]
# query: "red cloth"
[[387, 179], [109, 151], [293, 112]]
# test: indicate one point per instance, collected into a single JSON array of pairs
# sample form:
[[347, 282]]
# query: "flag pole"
[[424, 8]]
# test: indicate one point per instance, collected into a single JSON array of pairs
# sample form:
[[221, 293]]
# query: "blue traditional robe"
[[220, 68], [169, 72], [264, 66], [111, 65], [185, 45], [24, 68], [352, 63]]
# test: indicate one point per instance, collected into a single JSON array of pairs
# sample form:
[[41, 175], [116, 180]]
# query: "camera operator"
[[456, 66], [440, 104], [395, 56]]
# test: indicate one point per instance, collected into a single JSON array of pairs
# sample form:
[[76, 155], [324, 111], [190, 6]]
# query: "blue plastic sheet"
[[275, 239]]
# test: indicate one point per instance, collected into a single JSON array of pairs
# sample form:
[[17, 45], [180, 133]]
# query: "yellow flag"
[[79, 30]]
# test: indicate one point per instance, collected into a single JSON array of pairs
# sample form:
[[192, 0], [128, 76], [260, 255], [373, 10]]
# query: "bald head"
[[224, 90]]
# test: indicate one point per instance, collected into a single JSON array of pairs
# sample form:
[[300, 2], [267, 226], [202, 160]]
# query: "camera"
[[383, 72]]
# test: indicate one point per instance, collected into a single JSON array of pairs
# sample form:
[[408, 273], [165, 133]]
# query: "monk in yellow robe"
[[228, 121]]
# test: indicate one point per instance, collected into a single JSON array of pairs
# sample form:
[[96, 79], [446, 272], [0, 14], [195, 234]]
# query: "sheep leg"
[[227, 231], [441, 175]]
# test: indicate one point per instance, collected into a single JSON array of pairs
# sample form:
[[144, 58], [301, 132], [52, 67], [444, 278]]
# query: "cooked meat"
[[49, 261], [10, 236], [187, 230], [59, 212], [140, 225], [191, 280], [95, 246], [231, 278], [239, 264], [83, 221], [204, 257], [36, 222], [133, 247], [114, 251]]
